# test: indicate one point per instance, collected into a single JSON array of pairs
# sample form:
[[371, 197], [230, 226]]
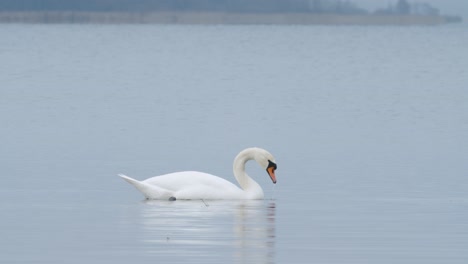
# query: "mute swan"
[[187, 185]]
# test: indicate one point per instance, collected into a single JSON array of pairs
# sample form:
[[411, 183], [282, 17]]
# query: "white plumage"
[[198, 185]]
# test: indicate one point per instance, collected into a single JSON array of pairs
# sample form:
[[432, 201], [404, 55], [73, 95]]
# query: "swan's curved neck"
[[244, 180]]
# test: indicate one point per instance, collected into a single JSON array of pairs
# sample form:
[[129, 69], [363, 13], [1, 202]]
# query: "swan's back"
[[177, 180], [196, 185]]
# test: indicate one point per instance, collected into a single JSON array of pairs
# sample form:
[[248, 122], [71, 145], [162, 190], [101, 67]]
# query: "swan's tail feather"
[[129, 180], [148, 190]]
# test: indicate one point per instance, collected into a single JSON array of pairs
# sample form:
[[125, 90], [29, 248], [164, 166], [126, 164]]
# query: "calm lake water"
[[368, 126]]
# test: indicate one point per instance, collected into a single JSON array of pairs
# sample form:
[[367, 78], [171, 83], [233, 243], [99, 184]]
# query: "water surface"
[[368, 126]]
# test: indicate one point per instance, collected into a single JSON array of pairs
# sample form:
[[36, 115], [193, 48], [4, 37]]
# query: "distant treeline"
[[252, 6]]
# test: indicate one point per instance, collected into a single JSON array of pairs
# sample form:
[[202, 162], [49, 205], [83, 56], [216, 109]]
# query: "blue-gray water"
[[368, 126]]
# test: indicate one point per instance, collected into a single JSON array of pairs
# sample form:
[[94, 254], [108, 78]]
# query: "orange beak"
[[271, 172]]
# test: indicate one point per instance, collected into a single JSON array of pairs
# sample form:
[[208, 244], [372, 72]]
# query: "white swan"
[[187, 185]]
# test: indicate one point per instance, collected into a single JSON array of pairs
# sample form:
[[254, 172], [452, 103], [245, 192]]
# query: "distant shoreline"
[[210, 18]]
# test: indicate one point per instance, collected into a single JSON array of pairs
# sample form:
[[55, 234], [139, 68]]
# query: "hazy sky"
[[447, 7]]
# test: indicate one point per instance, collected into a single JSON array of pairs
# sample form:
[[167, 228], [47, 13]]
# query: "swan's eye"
[[271, 164]]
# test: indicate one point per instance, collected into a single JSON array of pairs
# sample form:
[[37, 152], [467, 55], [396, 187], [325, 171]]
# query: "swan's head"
[[266, 161]]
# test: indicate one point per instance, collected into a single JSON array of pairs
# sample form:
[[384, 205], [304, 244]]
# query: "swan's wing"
[[196, 185], [148, 190]]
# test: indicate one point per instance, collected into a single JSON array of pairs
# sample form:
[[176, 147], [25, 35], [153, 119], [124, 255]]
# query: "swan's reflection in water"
[[211, 231]]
